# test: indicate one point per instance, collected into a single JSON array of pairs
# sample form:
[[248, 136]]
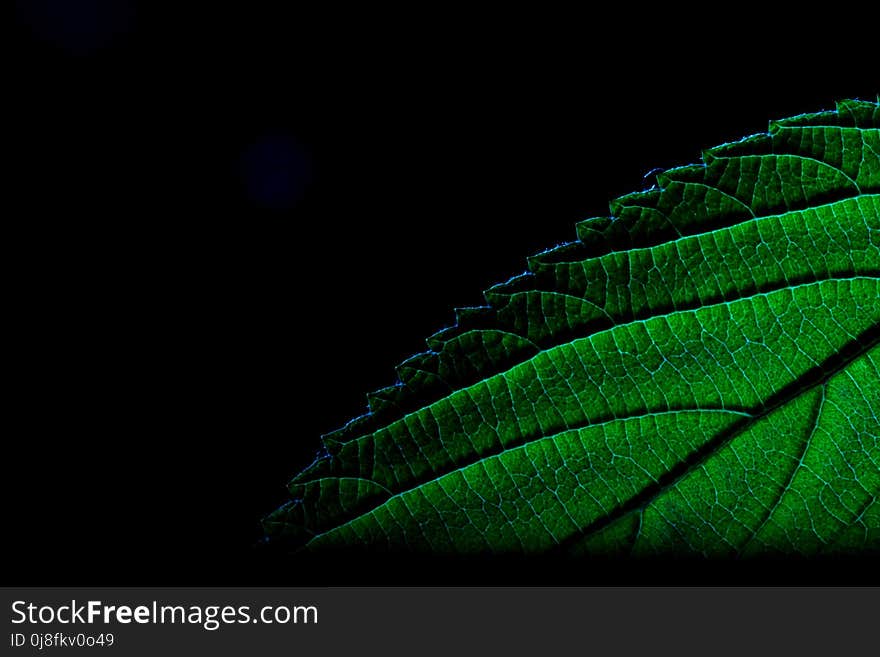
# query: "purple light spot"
[[79, 27], [276, 172]]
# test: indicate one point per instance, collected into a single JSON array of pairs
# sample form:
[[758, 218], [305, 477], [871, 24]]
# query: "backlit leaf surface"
[[696, 374]]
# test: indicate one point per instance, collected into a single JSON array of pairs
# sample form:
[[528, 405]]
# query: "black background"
[[176, 350]]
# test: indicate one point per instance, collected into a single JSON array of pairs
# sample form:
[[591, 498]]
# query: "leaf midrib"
[[670, 479]]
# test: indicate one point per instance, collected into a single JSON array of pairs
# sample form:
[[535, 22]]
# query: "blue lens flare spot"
[[276, 170], [79, 27]]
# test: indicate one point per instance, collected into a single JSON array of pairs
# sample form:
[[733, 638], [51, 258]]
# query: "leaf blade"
[[540, 420]]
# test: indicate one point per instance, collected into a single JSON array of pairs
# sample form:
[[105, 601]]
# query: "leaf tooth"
[[500, 295], [829, 117], [320, 465], [593, 232], [859, 113], [560, 253], [284, 523], [353, 428], [472, 316], [466, 319], [469, 318], [759, 144], [387, 398], [435, 340], [420, 370], [687, 173], [848, 113], [645, 197], [497, 292]]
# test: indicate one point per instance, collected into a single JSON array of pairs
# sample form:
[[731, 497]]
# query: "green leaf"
[[697, 374]]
